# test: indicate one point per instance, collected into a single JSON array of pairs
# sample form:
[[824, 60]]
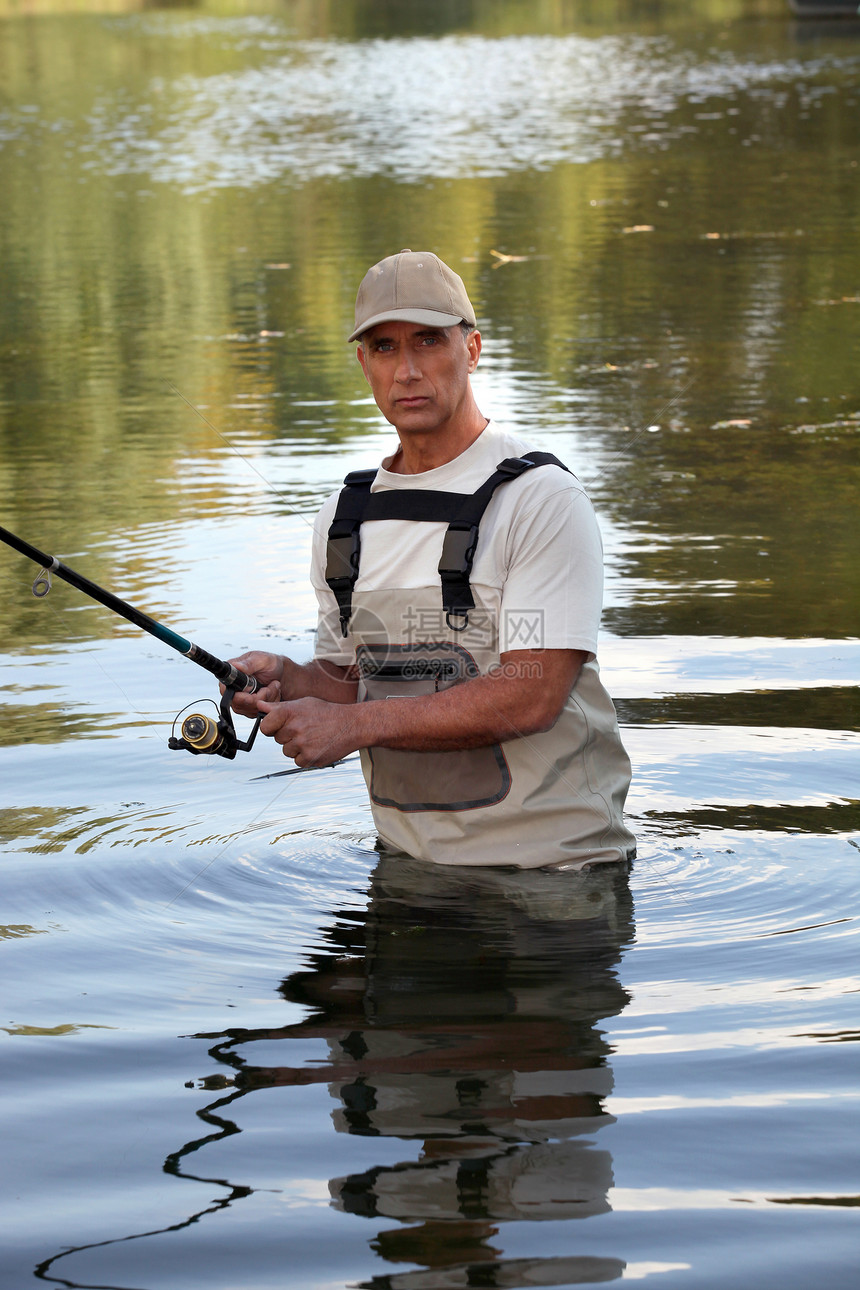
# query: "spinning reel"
[[200, 734]]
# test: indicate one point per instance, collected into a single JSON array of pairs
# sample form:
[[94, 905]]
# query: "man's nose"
[[407, 368]]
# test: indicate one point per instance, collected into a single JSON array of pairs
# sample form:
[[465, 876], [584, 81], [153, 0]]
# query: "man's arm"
[[522, 696], [281, 680]]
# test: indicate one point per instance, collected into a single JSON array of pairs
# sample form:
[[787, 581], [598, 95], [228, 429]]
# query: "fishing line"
[[300, 770], [298, 514], [42, 586], [151, 734], [215, 858], [231, 676], [296, 770], [148, 718]]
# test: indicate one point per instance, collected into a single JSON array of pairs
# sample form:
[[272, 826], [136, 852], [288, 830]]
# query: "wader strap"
[[461, 539], [462, 511], [344, 541], [356, 504]]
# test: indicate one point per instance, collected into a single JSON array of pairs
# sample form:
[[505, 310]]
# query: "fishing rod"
[[199, 733]]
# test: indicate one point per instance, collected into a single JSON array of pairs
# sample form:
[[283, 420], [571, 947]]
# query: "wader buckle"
[[455, 565], [342, 572], [458, 551], [514, 466]]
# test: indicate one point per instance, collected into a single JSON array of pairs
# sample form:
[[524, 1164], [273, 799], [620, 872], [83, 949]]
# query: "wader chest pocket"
[[458, 780]]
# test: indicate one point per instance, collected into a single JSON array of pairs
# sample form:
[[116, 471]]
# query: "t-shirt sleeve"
[[330, 644], [553, 592]]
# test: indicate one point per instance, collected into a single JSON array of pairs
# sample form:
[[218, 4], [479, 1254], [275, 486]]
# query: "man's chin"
[[414, 407], [416, 420]]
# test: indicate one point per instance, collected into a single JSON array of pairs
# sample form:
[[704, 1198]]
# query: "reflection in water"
[[461, 1011], [47, 1270], [272, 120]]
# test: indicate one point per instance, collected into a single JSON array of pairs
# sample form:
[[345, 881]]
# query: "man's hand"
[[268, 670], [311, 731], [282, 681]]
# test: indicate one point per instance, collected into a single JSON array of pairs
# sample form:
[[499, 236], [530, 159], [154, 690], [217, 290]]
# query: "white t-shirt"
[[538, 565]]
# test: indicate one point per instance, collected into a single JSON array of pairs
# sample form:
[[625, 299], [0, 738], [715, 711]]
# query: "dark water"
[[238, 1050]]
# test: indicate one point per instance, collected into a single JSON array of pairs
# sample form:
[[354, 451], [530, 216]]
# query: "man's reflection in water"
[[462, 1011]]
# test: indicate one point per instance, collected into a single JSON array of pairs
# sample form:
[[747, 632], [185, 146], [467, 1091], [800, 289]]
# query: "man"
[[459, 589]]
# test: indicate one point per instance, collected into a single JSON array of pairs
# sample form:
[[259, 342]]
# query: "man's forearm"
[[519, 698], [474, 715], [319, 723], [318, 679]]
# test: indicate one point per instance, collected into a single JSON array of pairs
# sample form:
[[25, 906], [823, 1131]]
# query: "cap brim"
[[429, 317]]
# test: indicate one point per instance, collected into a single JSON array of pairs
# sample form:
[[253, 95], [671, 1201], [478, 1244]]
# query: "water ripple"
[[396, 108]]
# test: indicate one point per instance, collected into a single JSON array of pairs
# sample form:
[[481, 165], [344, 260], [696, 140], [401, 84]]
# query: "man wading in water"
[[460, 589]]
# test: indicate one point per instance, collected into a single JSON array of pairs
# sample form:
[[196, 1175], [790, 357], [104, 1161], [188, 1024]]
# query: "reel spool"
[[199, 734]]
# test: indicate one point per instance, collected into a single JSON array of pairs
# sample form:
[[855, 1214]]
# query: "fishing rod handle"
[[241, 682], [226, 673]]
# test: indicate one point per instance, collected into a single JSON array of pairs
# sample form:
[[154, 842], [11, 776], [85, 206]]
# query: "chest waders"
[[399, 652]]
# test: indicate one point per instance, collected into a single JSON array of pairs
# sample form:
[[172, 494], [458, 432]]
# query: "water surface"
[[239, 1050]]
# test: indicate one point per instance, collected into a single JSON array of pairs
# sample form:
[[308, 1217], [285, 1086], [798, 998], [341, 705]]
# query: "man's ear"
[[473, 344], [360, 355]]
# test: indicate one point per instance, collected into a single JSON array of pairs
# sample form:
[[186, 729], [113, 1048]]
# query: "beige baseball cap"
[[412, 286]]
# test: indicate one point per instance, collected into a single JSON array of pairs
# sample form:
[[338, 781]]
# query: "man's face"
[[419, 375]]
